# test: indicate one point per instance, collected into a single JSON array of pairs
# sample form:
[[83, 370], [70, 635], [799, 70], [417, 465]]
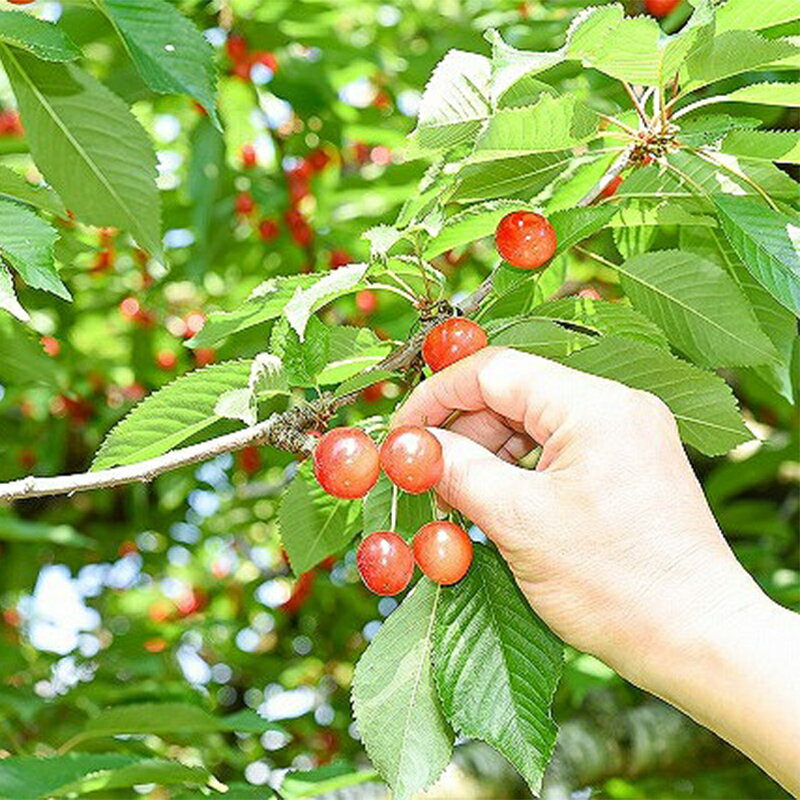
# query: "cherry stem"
[[393, 520]]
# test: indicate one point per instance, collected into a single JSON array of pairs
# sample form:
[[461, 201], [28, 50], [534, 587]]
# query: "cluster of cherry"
[[347, 463]]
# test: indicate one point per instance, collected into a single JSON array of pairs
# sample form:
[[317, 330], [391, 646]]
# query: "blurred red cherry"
[[248, 155], [268, 230]]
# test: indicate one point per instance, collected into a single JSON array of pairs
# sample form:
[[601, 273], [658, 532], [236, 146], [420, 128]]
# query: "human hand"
[[610, 538]]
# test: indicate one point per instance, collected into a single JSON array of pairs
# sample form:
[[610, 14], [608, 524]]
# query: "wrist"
[[709, 617]]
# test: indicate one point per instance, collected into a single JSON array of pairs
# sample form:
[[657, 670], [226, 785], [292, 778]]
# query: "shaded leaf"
[[26, 243], [394, 698], [703, 404], [43, 39], [314, 524], [497, 665], [16, 187], [88, 145], [699, 306], [171, 415], [170, 54], [413, 510], [768, 244]]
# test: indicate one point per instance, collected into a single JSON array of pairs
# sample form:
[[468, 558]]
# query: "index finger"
[[539, 394]]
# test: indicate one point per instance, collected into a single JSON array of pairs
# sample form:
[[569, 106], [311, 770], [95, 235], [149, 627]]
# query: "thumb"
[[478, 483]]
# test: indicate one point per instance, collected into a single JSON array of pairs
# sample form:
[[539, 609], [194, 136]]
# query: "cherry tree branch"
[[286, 431]]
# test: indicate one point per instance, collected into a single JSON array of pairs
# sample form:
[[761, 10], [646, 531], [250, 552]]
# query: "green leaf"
[[776, 321], [314, 524], [768, 243], [510, 66], [394, 698], [170, 718], [381, 239], [700, 308], [497, 665], [364, 379], [151, 770], [710, 128], [13, 529], [170, 54], [350, 351], [749, 16], [636, 214], [171, 415], [781, 146], [33, 778], [693, 176], [768, 94], [624, 48], [473, 223], [455, 102], [321, 781], [303, 362], [43, 39], [601, 317], [306, 301], [22, 360], [266, 302], [542, 336], [413, 510], [524, 176], [553, 123], [88, 145], [16, 187], [8, 297], [732, 53], [703, 404], [267, 379], [26, 243]]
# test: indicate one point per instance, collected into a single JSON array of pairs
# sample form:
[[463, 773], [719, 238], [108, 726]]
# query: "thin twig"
[[635, 100]]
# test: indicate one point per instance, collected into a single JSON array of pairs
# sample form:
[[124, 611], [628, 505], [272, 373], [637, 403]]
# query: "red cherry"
[[194, 322], [203, 356], [385, 563], [661, 8], [443, 552], [104, 260], [299, 229], [51, 346], [268, 230], [236, 47], [346, 463], [166, 360], [525, 239], [374, 392], [250, 459], [610, 189], [266, 59], [244, 203], [367, 301], [338, 258], [318, 159], [242, 70], [20, 2], [452, 340], [249, 157], [412, 458]]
